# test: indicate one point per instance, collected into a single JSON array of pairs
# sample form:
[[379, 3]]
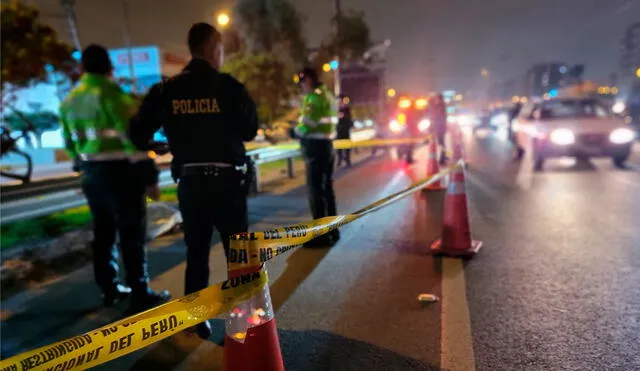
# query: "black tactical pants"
[[319, 156], [218, 199], [115, 191], [344, 155]]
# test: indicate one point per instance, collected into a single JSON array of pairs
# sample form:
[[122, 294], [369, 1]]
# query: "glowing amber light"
[[404, 103]]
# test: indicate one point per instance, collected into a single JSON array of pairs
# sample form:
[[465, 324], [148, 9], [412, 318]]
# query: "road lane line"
[[456, 342]]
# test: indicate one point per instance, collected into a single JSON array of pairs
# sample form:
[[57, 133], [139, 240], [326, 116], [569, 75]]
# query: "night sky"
[[451, 40]]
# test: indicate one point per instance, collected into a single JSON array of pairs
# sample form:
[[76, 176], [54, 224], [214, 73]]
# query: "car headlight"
[[621, 136], [618, 107], [562, 137], [466, 120], [424, 125], [395, 126]]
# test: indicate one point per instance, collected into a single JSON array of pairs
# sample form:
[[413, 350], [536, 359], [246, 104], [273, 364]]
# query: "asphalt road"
[[555, 287]]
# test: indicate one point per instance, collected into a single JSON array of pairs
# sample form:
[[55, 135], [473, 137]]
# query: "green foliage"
[[40, 121], [44, 227], [272, 26], [354, 36], [267, 79], [350, 44], [28, 45]]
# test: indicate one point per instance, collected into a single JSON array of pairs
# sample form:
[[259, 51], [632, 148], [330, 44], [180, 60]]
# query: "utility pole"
[[337, 11], [67, 5], [127, 43]]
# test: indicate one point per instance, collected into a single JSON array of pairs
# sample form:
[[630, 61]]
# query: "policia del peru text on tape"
[[248, 253]]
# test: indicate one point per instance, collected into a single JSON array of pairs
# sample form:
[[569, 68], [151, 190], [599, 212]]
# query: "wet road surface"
[[555, 287]]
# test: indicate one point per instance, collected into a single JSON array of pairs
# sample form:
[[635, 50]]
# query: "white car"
[[573, 127]]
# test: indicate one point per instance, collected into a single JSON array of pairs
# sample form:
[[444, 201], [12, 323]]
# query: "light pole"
[[127, 43], [337, 10], [67, 5]]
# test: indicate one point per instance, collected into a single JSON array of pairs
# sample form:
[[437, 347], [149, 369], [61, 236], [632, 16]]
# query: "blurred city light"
[[296, 79], [524, 99], [404, 103], [391, 93], [223, 19], [515, 99], [638, 73], [614, 90], [421, 103], [484, 72], [334, 65], [326, 67], [458, 97], [553, 93]]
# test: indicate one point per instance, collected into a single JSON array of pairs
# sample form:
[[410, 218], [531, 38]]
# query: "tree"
[[38, 122], [267, 81], [28, 46], [350, 44], [30, 51], [272, 26]]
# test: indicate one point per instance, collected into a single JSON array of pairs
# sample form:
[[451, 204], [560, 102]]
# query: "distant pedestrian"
[[438, 118], [345, 124]]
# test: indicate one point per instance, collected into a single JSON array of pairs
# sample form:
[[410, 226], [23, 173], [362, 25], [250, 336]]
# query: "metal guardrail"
[[64, 183], [33, 200]]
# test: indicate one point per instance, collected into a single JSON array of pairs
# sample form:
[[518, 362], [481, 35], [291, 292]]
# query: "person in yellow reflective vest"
[[316, 129], [95, 118]]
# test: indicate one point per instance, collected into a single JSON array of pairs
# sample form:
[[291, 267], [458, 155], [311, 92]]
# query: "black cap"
[[95, 59], [308, 73]]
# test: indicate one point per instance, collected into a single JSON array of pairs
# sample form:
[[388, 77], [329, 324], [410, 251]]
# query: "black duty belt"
[[211, 170]]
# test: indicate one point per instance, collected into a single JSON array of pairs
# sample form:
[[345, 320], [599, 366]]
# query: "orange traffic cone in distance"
[[456, 232], [458, 145], [251, 337], [432, 167]]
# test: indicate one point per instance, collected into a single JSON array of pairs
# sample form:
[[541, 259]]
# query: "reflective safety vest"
[[319, 115], [95, 119]]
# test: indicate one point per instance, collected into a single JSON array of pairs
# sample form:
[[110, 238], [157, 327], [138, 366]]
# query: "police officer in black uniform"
[[206, 115], [345, 124]]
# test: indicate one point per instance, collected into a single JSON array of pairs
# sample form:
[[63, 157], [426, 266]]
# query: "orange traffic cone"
[[458, 145], [432, 167], [456, 233], [251, 338]]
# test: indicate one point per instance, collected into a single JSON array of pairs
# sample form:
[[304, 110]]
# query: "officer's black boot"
[[145, 299], [203, 330], [118, 293]]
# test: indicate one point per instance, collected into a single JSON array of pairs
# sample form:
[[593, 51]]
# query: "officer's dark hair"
[[309, 73], [95, 59], [199, 35]]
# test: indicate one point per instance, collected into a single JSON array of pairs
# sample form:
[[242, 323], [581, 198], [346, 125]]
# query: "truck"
[[363, 88]]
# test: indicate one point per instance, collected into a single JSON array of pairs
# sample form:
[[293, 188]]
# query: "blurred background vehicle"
[[573, 127]]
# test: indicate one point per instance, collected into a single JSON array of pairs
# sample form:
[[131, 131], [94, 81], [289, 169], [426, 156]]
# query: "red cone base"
[[437, 186], [259, 352], [438, 249]]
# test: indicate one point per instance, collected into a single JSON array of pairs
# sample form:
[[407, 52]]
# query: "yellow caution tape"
[[138, 331], [249, 250], [348, 143]]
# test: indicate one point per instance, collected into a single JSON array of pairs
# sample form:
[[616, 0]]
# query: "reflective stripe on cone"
[[251, 338]]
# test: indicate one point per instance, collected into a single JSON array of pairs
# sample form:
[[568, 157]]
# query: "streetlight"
[[223, 19], [391, 93]]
